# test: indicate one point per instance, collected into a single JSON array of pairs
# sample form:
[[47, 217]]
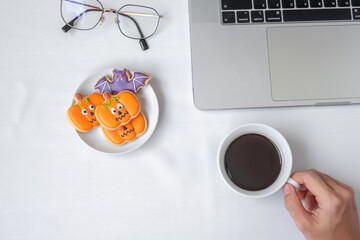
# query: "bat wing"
[[139, 80], [103, 85]]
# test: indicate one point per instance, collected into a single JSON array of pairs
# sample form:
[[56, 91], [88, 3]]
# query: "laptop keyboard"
[[277, 11]]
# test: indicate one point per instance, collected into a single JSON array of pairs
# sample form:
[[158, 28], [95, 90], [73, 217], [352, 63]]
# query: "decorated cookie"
[[127, 132], [117, 110], [81, 115], [122, 81]]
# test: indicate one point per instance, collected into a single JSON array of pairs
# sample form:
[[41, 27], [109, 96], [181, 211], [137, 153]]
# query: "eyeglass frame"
[[69, 25]]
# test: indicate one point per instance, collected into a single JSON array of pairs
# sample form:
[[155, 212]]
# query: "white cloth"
[[52, 186]]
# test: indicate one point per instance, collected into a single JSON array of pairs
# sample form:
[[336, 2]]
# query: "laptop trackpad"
[[314, 62]]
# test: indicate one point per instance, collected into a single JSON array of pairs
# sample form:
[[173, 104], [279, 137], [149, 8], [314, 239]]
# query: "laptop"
[[272, 53]]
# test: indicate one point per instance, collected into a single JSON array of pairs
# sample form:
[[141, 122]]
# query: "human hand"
[[330, 211]]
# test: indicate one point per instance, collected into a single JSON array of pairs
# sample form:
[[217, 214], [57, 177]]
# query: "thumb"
[[293, 205]]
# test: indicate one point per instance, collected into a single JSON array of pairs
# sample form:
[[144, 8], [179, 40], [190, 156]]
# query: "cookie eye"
[[84, 112], [119, 106], [91, 107], [113, 110]]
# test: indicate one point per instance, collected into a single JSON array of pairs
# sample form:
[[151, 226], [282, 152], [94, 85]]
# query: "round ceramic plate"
[[149, 107]]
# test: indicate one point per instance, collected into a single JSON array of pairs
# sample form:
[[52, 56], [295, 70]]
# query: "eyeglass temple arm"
[[80, 3], [70, 24], [143, 44]]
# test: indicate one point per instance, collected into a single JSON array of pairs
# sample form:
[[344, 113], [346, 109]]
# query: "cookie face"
[[122, 80], [117, 110], [128, 132], [81, 115]]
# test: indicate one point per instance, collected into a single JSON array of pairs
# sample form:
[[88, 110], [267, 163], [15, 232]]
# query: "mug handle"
[[294, 183]]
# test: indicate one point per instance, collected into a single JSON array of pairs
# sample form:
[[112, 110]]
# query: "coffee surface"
[[252, 162]]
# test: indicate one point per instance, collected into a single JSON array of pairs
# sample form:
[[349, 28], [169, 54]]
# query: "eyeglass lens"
[[87, 13], [137, 21]]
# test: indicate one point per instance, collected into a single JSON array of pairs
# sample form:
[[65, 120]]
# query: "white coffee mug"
[[284, 150]]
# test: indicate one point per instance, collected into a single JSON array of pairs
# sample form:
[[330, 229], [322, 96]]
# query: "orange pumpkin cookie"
[[117, 110], [128, 132], [81, 115]]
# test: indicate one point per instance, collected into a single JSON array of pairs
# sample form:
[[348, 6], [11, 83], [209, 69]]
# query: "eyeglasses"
[[134, 21]]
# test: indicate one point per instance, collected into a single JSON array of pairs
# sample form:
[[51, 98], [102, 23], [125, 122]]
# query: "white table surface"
[[52, 186]]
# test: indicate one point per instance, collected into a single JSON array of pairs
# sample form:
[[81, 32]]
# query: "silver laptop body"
[[239, 64]]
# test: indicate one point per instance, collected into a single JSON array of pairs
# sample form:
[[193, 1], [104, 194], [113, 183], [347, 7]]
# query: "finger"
[[342, 190], [312, 180], [301, 194], [295, 208], [310, 201], [333, 180], [330, 182], [303, 187]]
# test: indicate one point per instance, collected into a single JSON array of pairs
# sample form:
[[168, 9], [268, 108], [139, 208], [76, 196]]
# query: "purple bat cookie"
[[121, 81]]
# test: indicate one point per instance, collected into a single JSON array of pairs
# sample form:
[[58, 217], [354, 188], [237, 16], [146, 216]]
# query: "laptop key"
[[259, 4], [302, 4], [228, 17], [274, 3], [316, 3], [355, 3], [356, 13], [317, 14], [236, 4], [257, 16], [330, 3], [288, 3], [273, 16], [343, 3], [243, 16]]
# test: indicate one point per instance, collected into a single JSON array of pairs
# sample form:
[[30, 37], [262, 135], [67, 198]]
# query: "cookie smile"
[[122, 116], [126, 133]]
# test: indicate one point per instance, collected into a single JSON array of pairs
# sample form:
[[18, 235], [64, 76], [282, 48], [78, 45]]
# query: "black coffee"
[[252, 162]]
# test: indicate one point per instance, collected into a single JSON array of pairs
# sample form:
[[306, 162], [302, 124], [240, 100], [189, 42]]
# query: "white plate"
[[149, 107]]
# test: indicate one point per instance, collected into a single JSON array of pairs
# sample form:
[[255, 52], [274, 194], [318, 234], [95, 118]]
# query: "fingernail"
[[286, 189]]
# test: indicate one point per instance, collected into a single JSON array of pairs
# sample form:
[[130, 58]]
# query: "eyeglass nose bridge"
[[110, 10]]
